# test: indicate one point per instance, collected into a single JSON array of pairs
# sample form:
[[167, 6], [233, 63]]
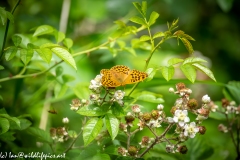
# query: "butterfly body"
[[121, 75]]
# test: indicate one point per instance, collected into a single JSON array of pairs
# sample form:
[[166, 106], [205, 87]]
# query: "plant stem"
[[6, 30]]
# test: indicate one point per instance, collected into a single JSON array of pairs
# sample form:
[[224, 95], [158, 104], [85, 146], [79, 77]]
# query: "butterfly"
[[121, 75]]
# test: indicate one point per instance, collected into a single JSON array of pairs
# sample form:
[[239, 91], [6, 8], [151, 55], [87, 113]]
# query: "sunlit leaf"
[[10, 53], [93, 110], [26, 55], [189, 71], [44, 29], [174, 61], [68, 42], [45, 54], [151, 73], [32, 46], [205, 70], [65, 55], [10, 16], [91, 129], [112, 125], [16, 40], [158, 34], [144, 38], [138, 20], [138, 6], [130, 50], [59, 36], [153, 17], [4, 125], [49, 45], [117, 110], [168, 72], [194, 60]]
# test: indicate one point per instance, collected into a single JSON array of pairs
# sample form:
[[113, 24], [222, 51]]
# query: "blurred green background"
[[215, 26]]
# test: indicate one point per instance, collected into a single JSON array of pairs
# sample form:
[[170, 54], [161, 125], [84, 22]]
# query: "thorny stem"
[[6, 31], [156, 140]]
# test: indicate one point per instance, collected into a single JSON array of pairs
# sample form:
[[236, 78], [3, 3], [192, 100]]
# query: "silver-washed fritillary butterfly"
[[121, 75]]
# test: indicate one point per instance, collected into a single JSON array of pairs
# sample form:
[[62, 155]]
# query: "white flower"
[[95, 84], [230, 109], [170, 148], [65, 120], [206, 99], [181, 117], [160, 107], [118, 95], [191, 130], [171, 90], [170, 120], [154, 124]]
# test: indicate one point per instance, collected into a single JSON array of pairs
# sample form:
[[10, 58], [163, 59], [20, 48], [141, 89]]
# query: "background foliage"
[[213, 24]]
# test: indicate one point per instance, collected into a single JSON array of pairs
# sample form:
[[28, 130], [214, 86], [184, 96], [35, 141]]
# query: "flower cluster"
[[185, 128], [59, 134], [77, 103]]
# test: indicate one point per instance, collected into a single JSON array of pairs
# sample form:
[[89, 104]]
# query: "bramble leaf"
[[91, 130], [194, 60], [158, 34], [187, 44], [16, 40], [174, 61], [112, 125], [68, 42]]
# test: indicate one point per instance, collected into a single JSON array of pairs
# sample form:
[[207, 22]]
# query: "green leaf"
[[67, 78], [100, 156], [112, 124], [158, 34], [181, 34], [138, 20], [117, 110], [7, 136], [138, 6], [3, 15], [168, 72], [81, 90], [205, 70], [10, 16], [187, 44], [4, 125], [10, 53], [144, 8], [59, 71], [93, 110], [65, 55], [174, 61], [49, 45], [193, 60], [91, 130], [153, 17], [26, 55], [45, 54], [68, 42], [151, 73], [233, 89], [60, 90], [59, 36], [130, 50], [72, 134], [144, 38], [41, 135], [1, 68], [44, 29], [16, 40], [32, 46], [189, 71], [150, 97], [24, 123]]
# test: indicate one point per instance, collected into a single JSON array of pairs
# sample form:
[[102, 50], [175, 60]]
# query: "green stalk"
[[6, 30]]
